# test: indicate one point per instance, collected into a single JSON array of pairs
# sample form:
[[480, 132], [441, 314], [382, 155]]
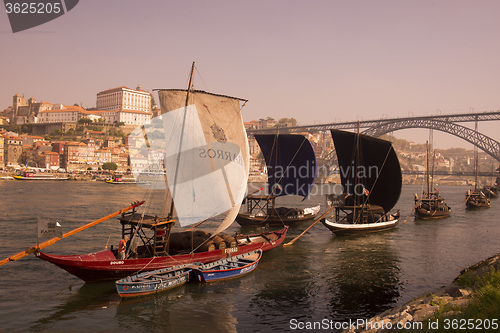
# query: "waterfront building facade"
[[13, 149], [77, 155], [102, 156], [49, 160], [2, 164]]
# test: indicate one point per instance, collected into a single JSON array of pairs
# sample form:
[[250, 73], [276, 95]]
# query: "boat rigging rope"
[[376, 179], [274, 148]]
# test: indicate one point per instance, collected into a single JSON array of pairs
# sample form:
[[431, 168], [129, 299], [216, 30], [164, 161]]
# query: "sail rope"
[[376, 179], [275, 143], [201, 78]]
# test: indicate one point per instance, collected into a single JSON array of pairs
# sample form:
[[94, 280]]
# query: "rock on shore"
[[424, 307]]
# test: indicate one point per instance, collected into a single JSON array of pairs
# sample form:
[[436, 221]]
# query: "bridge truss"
[[445, 123]]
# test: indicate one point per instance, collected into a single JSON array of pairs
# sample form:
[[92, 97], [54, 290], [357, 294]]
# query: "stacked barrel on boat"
[[200, 241]]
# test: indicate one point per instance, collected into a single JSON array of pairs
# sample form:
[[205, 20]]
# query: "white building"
[[123, 98], [66, 114]]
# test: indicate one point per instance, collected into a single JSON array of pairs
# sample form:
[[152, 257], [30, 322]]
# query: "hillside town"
[[67, 138]]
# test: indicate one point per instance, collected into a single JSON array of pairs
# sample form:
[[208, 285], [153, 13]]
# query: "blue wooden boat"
[[227, 268], [154, 281]]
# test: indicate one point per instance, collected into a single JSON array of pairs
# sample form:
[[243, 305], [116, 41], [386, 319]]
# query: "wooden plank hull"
[[247, 219], [152, 282], [361, 228], [423, 214], [104, 266], [228, 268], [477, 205]]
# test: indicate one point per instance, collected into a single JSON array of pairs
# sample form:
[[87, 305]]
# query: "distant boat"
[[491, 192], [475, 198], [431, 205], [371, 179], [121, 180], [291, 165], [151, 282], [228, 268], [30, 175]]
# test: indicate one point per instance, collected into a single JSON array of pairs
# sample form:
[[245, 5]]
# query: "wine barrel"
[[230, 241], [219, 242], [205, 246]]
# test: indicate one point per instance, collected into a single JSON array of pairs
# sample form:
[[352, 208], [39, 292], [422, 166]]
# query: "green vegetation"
[[486, 303], [476, 315], [291, 121], [84, 121], [20, 129], [109, 166], [115, 132]]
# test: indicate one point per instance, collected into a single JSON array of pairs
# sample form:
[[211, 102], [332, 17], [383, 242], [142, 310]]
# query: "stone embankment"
[[419, 310]]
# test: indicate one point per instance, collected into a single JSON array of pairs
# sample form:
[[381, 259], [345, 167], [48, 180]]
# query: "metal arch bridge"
[[444, 123]]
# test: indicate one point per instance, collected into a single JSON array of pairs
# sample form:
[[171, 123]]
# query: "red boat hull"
[[103, 265]]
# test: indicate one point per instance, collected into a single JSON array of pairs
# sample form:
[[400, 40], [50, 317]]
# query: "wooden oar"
[[322, 216], [414, 207], [51, 241], [465, 202]]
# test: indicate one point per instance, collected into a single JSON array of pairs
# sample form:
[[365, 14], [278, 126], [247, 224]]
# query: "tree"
[[109, 166], [288, 121], [85, 121], [153, 103]]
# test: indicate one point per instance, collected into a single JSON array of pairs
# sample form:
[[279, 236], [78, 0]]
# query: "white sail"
[[204, 150]]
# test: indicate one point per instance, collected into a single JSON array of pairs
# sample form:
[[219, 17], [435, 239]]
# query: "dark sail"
[[374, 167], [291, 163]]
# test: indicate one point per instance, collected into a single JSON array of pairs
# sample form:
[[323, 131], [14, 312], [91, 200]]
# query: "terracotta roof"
[[89, 112], [32, 136], [13, 138]]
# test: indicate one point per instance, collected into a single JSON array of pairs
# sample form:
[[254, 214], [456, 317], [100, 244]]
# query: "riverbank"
[[81, 176], [471, 302]]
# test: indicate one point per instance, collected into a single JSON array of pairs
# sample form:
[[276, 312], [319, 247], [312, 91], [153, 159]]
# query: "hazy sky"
[[316, 61]]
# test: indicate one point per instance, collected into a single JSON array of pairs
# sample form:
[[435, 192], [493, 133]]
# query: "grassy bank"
[[480, 312]]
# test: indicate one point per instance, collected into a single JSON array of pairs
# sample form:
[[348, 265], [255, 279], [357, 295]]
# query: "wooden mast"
[[427, 169], [476, 157], [432, 172], [355, 219], [170, 214]]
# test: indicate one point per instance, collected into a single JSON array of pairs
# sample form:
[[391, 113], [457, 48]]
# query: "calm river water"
[[319, 277]]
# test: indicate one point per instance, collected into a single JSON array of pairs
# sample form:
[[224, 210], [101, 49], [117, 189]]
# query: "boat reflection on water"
[[366, 279], [189, 308], [89, 298]]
